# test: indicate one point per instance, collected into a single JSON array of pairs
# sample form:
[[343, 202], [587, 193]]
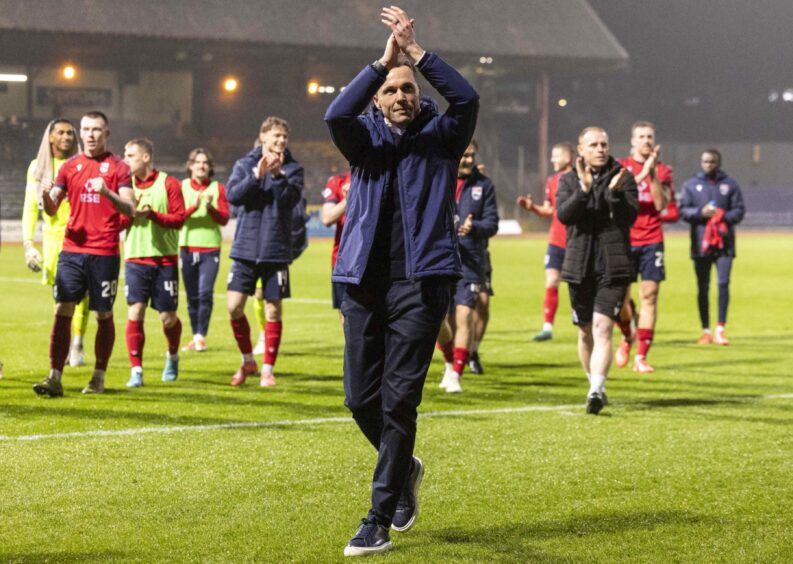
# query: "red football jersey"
[[647, 229], [94, 224], [333, 194], [557, 234]]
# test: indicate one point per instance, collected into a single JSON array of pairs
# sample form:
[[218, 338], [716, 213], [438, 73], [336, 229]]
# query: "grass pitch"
[[691, 463]]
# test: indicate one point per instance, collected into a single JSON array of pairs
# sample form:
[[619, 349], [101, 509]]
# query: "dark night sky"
[[733, 44]]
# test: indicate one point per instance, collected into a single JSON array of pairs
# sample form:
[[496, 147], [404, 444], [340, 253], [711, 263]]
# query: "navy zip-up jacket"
[[477, 198], [424, 158], [700, 190], [264, 209]]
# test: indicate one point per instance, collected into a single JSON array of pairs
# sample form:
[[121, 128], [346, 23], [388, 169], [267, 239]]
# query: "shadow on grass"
[[515, 539]]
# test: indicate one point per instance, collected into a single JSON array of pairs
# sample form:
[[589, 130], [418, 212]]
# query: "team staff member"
[[200, 240], [713, 204], [264, 185], [333, 210], [151, 269], [397, 255], [98, 186], [598, 203], [654, 183], [562, 155], [476, 202], [58, 144]]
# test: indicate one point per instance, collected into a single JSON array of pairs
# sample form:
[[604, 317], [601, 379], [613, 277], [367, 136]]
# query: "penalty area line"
[[268, 424]]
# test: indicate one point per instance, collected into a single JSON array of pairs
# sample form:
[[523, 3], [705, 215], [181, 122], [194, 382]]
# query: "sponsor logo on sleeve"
[[104, 167]]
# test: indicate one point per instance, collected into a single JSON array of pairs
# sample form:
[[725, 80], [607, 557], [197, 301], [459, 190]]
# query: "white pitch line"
[[269, 424]]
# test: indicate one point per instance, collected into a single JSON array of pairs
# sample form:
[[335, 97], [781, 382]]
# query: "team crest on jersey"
[[326, 192], [104, 167], [724, 188], [699, 187], [79, 167], [476, 192]]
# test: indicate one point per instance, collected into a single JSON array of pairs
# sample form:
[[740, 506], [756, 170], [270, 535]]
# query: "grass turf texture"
[[691, 463]]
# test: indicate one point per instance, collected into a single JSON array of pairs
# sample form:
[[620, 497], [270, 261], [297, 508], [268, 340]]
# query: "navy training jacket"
[[696, 193], [477, 198], [424, 159], [264, 209]]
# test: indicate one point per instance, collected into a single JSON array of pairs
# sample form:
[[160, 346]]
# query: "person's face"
[[594, 147], [467, 162], [398, 97], [643, 141], [199, 170], [137, 159], [94, 134], [275, 139], [62, 138], [710, 163], [560, 158]]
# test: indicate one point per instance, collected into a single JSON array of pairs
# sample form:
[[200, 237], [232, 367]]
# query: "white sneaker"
[[259, 348], [447, 374], [453, 384], [76, 356]]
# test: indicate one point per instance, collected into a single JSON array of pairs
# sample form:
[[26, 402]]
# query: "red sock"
[[460, 359], [625, 328], [136, 338], [645, 341], [60, 338], [447, 350], [272, 341], [103, 345], [173, 335], [242, 334], [551, 304]]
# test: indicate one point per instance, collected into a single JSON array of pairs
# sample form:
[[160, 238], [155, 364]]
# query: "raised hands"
[[584, 174], [618, 180], [526, 202], [270, 162], [402, 31]]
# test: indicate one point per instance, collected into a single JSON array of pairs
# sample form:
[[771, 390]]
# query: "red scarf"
[[715, 230]]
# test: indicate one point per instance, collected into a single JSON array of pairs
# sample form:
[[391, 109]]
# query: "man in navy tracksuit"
[[398, 254], [265, 185], [713, 204], [477, 213]]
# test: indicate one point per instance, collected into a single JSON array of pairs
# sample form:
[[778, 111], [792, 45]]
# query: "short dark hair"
[[143, 143], [96, 114], [715, 152], [56, 121], [192, 157]]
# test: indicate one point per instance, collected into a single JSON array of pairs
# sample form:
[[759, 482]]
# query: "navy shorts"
[[595, 295], [648, 260], [160, 284], [554, 257], [466, 293], [488, 285], [78, 273], [245, 273], [337, 293]]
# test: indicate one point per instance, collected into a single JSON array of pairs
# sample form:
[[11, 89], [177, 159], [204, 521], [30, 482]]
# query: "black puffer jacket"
[[598, 226]]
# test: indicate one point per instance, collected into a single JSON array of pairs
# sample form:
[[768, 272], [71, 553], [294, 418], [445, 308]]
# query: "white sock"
[[247, 358], [706, 330], [449, 367], [547, 327], [174, 356], [267, 367], [261, 335], [138, 369], [77, 341], [719, 328], [197, 336], [596, 383]]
